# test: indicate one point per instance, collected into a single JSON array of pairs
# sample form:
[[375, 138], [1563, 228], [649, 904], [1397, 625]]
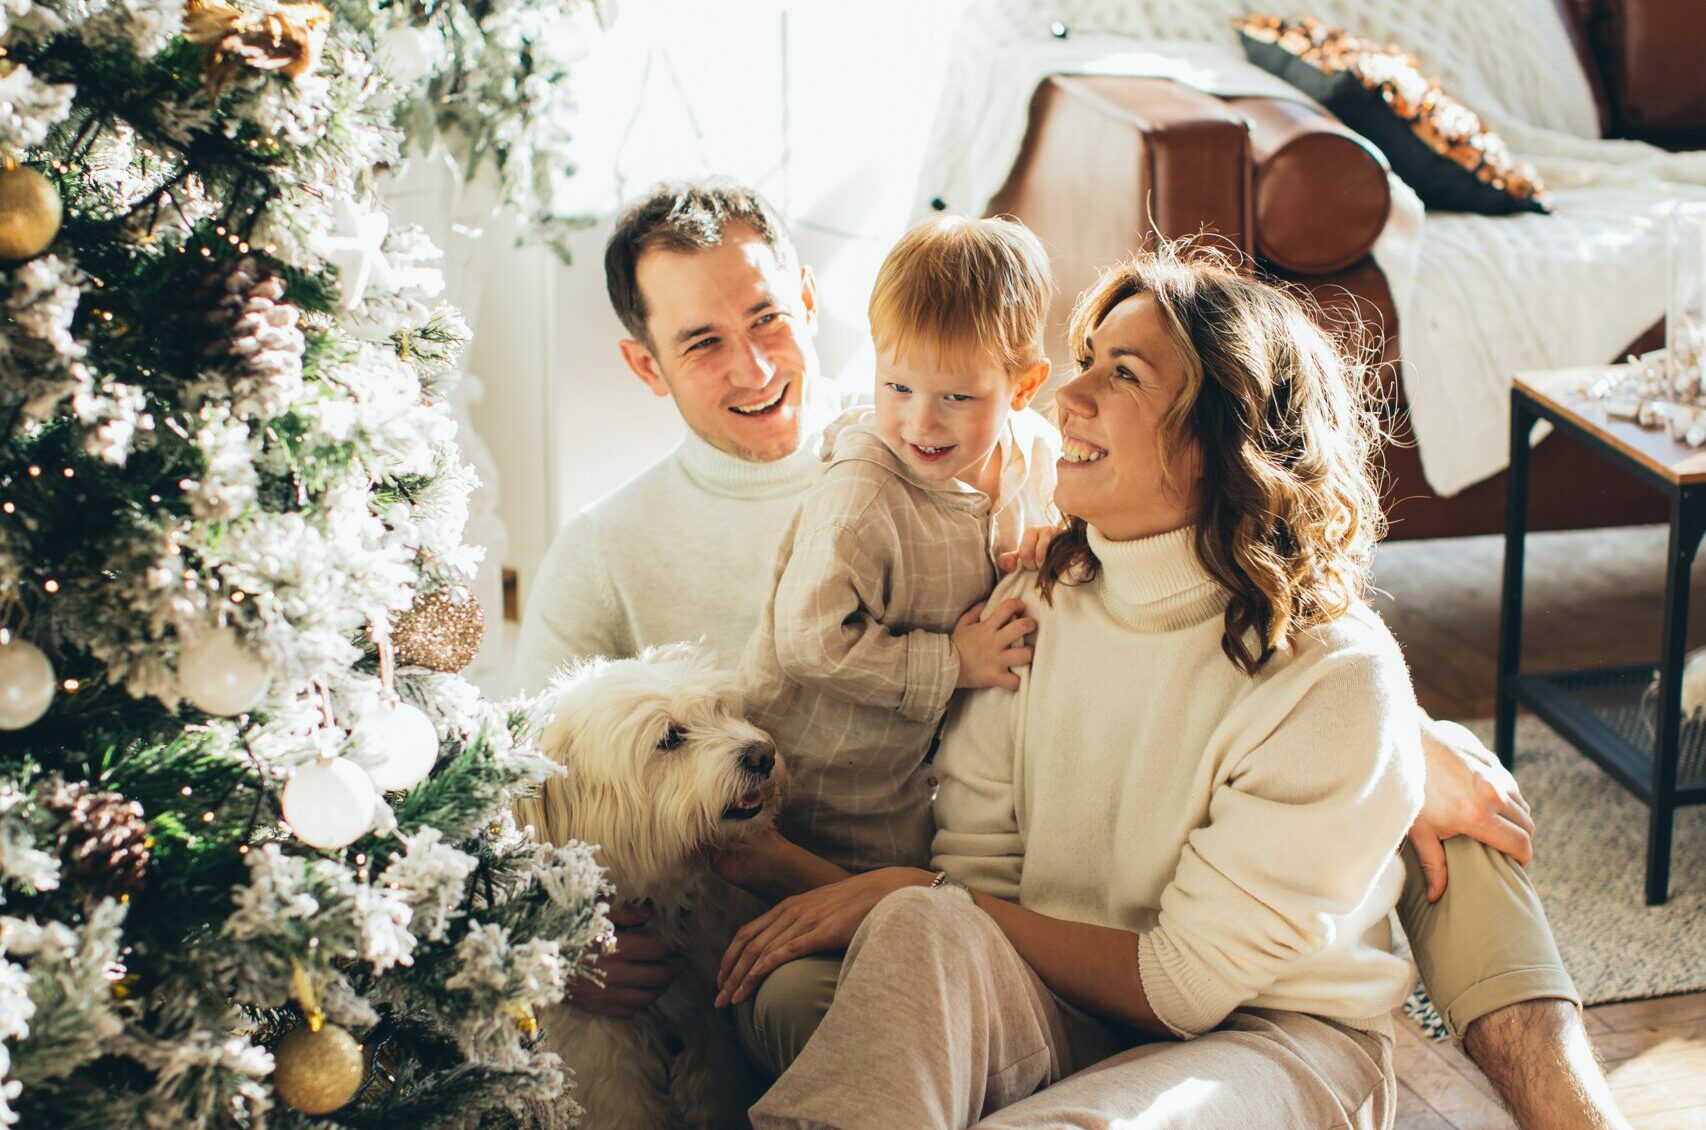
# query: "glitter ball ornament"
[[317, 1072], [401, 744], [103, 837], [30, 212], [441, 630], [26, 682], [216, 673], [329, 803]]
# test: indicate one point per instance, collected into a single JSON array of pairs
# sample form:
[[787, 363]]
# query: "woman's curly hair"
[[1288, 509]]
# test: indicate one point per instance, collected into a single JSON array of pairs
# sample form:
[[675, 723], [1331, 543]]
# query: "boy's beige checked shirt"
[[853, 663]]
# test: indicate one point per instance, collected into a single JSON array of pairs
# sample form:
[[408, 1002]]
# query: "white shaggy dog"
[[662, 769]]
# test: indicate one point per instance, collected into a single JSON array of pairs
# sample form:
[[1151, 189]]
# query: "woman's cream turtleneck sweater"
[[1243, 828]]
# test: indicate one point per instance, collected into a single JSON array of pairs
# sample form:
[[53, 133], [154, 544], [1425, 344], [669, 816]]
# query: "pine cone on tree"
[[254, 332], [103, 838]]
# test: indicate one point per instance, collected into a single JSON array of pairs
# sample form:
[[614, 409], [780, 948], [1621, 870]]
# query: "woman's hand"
[[819, 920], [1468, 794]]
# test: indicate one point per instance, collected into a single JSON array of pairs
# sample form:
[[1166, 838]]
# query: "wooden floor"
[[1591, 598]]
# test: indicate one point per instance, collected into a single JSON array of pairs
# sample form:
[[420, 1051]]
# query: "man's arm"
[[573, 612]]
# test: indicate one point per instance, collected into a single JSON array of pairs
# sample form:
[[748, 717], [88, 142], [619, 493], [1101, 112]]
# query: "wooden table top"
[[1564, 391]]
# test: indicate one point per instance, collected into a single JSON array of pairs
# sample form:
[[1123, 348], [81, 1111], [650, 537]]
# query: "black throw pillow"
[[1439, 146]]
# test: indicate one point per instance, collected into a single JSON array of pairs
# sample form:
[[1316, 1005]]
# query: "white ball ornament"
[[402, 746], [217, 674], [26, 683], [329, 804]]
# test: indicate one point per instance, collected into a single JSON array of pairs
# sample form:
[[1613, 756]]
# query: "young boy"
[[874, 615]]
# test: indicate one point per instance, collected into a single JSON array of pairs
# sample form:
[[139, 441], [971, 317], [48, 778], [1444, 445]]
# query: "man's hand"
[[990, 648], [1033, 548], [1468, 794], [635, 976]]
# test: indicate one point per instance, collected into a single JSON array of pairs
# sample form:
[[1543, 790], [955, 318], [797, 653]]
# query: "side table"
[[1607, 713]]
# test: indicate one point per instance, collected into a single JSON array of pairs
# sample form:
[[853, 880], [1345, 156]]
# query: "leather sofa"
[[1111, 162]]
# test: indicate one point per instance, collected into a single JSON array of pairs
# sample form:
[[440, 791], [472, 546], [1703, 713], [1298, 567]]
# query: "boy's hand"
[[990, 648], [1033, 548]]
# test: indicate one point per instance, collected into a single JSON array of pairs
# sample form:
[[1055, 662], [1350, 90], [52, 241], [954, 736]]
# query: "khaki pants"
[[1483, 946], [938, 1022]]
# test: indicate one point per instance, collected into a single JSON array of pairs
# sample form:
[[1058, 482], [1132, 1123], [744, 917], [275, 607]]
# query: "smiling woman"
[[1206, 687]]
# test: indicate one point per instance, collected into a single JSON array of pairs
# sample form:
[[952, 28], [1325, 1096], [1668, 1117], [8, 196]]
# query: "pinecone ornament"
[[254, 332], [103, 838]]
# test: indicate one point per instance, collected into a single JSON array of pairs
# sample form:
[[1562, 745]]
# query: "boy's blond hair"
[[972, 290]]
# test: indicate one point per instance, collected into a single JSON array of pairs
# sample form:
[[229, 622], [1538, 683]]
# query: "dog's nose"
[[760, 757]]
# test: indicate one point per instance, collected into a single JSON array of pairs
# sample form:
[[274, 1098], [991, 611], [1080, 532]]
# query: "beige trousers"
[[1483, 946], [938, 1022]]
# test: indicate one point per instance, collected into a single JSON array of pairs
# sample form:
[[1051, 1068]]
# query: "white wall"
[[826, 112]]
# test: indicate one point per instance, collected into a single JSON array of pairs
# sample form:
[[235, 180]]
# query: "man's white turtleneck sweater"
[[684, 550], [1243, 828]]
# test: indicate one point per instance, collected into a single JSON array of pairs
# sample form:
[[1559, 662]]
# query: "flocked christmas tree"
[[256, 857]]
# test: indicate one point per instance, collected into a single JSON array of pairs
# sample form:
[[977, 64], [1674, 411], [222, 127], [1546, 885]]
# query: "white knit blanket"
[[1478, 297]]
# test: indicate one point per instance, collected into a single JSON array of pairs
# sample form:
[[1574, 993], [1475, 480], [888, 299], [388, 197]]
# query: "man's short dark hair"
[[681, 216]]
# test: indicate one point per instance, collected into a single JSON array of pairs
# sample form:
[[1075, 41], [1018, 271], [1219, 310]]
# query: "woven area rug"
[[1589, 866]]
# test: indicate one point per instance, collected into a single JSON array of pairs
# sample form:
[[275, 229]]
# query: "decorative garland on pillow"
[[1379, 91]]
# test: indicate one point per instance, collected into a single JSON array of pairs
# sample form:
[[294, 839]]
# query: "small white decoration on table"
[[402, 745], [26, 682], [216, 673], [329, 803]]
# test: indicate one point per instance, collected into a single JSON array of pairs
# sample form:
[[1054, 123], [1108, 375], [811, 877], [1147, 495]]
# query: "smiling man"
[[720, 315]]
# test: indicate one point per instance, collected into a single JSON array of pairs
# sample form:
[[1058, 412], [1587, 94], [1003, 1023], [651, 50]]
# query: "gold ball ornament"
[[318, 1072], [442, 630], [30, 212]]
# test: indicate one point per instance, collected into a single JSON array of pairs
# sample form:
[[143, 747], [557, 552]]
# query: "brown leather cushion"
[[1321, 194]]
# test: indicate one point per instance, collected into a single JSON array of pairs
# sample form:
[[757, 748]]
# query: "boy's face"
[[945, 424], [731, 340]]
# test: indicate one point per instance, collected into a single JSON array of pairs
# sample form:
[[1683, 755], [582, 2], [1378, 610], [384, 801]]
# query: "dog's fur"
[[662, 769]]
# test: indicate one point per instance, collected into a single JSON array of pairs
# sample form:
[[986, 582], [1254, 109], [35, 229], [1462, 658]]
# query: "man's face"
[[731, 340]]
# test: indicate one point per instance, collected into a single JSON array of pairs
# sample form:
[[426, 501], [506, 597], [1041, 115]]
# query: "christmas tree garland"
[[256, 861]]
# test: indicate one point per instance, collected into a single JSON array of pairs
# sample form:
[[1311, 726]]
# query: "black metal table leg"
[[1687, 523], [1510, 604]]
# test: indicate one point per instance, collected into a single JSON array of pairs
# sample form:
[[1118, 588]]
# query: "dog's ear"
[[697, 658], [570, 675], [551, 807], [673, 652]]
